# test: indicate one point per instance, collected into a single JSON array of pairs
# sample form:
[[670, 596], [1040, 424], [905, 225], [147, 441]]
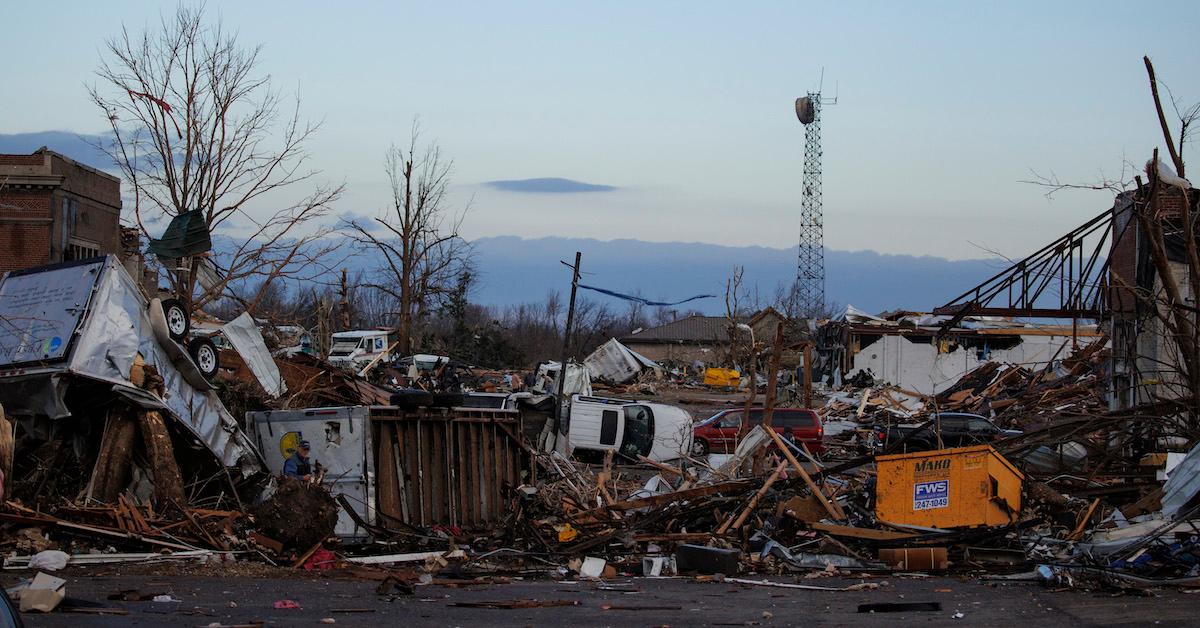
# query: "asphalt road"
[[232, 600]]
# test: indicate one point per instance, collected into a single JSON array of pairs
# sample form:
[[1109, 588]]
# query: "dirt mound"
[[299, 514]]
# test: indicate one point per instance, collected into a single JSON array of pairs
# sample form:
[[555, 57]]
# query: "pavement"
[[246, 599]]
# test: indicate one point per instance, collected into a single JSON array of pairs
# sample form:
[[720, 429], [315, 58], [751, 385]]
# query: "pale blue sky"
[[686, 107]]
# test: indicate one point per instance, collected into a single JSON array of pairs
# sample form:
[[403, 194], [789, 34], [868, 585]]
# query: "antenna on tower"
[[810, 267]]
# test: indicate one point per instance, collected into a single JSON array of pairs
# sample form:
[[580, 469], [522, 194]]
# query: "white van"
[[631, 428], [356, 349]]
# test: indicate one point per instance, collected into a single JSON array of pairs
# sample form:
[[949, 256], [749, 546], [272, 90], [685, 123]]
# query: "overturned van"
[[629, 428]]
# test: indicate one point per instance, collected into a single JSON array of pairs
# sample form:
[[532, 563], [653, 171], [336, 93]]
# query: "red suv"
[[718, 433]]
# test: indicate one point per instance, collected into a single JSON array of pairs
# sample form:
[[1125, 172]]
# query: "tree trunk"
[[111, 473], [168, 482]]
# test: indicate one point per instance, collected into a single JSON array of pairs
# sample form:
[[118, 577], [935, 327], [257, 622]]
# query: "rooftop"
[[689, 329]]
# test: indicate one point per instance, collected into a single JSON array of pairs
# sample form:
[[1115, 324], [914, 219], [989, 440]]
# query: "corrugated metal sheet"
[[1183, 484]]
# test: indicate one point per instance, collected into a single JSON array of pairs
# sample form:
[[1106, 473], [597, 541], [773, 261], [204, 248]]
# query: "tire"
[[204, 353], [699, 447], [411, 398], [178, 320]]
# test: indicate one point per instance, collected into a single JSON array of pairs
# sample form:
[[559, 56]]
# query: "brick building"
[[54, 209], [1145, 363]]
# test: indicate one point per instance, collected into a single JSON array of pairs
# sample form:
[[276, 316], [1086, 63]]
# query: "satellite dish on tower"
[[805, 110]]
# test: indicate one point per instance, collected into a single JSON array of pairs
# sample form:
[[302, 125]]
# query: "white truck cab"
[[631, 428], [356, 349]]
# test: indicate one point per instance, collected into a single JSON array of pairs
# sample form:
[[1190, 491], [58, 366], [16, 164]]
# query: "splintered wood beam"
[[754, 500], [832, 508]]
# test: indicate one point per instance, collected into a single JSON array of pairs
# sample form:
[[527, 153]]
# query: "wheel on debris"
[[204, 354], [178, 321], [699, 447]]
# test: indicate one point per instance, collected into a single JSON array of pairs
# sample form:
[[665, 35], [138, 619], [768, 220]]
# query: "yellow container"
[[722, 377], [948, 488]]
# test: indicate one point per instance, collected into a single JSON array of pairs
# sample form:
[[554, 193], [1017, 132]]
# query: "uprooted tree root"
[[299, 514]]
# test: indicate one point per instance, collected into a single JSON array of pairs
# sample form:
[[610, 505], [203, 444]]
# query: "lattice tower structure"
[[810, 270]]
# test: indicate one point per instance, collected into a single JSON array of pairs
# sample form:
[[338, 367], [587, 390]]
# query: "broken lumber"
[[754, 500], [835, 511], [859, 533]]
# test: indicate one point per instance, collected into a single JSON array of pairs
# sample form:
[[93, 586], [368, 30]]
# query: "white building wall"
[[917, 366]]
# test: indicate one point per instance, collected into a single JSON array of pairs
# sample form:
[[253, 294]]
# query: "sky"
[[678, 116]]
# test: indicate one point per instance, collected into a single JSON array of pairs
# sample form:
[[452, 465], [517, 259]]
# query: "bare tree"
[[195, 126], [417, 236], [741, 349]]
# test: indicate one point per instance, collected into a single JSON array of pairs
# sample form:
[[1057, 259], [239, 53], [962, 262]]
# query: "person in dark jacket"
[[298, 466]]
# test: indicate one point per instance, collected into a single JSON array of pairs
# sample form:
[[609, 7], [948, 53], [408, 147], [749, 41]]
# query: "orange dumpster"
[[948, 488]]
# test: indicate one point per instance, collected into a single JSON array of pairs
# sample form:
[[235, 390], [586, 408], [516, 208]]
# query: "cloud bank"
[[549, 185]]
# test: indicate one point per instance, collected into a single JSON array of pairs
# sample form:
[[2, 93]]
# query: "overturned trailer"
[[82, 349], [393, 467]]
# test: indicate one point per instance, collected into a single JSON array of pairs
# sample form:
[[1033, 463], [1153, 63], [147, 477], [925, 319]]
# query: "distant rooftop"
[[685, 330]]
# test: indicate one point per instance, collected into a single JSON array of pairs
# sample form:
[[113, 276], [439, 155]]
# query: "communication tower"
[[810, 268]]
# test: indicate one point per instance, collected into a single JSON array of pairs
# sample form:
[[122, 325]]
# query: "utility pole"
[[344, 293], [562, 364]]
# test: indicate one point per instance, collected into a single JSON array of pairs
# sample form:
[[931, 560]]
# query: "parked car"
[[718, 433], [958, 429], [657, 431]]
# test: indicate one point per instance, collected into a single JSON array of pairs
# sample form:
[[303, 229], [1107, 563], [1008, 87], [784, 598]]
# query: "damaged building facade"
[[1146, 362], [55, 209], [912, 351]]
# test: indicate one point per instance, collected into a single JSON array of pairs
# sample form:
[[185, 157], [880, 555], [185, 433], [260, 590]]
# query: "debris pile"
[[299, 515]]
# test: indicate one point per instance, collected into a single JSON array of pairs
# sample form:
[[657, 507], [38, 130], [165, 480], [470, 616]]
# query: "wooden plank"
[[423, 469], [450, 471], [400, 465], [460, 462], [514, 460], [387, 485], [437, 473], [485, 492], [472, 495], [496, 478], [869, 534], [453, 470]]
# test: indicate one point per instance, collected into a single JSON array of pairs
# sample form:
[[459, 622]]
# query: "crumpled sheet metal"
[[115, 330], [244, 336], [1183, 484], [615, 363]]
